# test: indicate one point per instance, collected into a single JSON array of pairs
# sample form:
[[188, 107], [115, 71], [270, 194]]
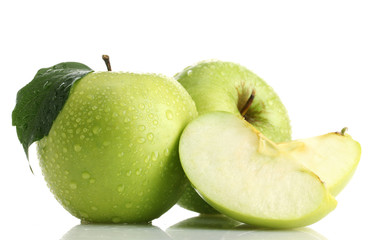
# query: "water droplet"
[[141, 106], [96, 130], [129, 173], [138, 172], [77, 148], [141, 127], [169, 114], [141, 140], [85, 175], [73, 185], [92, 180], [150, 136], [127, 120], [78, 120], [154, 156], [120, 188], [116, 220], [94, 208], [166, 152], [121, 154], [189, 72], [155, 122]]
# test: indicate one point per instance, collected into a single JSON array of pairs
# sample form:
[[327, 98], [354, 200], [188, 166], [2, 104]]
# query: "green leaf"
[[39, 102]]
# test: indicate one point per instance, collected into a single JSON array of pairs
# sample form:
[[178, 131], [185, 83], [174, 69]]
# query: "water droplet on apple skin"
[[154, 156], [85, 175], [73, 185], [120, 188], [77, 148], [150, 136], [169, 114]]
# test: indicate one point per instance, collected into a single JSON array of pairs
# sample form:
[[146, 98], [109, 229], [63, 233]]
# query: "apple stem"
[[343, 131], [244, 110], [107, 62]]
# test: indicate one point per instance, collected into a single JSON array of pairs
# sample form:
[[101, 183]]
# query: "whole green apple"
[[230, 87], [111, 154]]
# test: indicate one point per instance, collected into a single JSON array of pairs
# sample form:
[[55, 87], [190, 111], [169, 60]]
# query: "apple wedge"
[[333, 157], [246, 176]]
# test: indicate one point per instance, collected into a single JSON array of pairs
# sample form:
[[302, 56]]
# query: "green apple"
[[111, 154], [244, 175], [226, 86]]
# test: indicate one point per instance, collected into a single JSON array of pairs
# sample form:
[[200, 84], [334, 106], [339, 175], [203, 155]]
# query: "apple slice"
[[244, 175], [333, 157]]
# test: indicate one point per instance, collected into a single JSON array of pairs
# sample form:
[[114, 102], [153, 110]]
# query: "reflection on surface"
[[220, 227], [114, 232]]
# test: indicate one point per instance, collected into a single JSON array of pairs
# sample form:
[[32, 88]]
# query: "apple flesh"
[[244, 175], [112, 152], [226, 86], [333, 157]]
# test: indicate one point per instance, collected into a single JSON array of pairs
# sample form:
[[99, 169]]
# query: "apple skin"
[[226, 86], [112, 152]]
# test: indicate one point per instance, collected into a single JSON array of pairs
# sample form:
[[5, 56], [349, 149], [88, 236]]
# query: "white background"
[[321, 57]]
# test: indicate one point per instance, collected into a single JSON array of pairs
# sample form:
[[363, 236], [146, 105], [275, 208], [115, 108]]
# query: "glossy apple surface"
[[112, 152]]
